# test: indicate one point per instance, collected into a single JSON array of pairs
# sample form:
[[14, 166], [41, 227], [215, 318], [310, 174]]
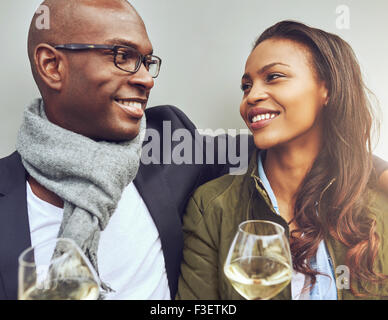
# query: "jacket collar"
[[259, 205], [11, 170], [14, 225], [259, 185]]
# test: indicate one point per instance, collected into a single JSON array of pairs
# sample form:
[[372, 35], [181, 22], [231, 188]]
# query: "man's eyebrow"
[[123, 42]]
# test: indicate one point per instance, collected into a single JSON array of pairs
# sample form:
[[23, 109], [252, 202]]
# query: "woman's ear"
[[324, 94], [50, 66]]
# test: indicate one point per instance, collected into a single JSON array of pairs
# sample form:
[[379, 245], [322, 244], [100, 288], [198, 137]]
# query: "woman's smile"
[[261, 117]]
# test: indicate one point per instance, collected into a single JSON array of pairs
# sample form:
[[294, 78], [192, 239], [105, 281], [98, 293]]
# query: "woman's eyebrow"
[[246, 76], [270, 65]]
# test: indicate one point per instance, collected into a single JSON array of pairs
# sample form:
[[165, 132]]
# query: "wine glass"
[[259, 260], [56, 270]]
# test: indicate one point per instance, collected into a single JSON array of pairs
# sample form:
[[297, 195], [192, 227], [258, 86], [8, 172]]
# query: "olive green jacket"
[[210, 224]]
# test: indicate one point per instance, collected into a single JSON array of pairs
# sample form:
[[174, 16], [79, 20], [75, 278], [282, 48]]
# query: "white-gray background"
[[204, 45]]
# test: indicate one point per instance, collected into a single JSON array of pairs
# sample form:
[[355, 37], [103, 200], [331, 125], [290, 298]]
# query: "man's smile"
[[133, 107]]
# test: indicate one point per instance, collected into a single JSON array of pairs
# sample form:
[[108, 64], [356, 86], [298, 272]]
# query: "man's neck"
[[44, 194]]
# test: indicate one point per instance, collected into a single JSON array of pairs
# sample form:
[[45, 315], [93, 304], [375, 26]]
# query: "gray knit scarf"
[[89, 176]]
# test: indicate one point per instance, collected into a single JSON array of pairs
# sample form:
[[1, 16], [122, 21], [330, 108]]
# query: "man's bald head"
[[66, 22]]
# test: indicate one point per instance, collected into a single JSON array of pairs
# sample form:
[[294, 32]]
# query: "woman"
[[306, 106]]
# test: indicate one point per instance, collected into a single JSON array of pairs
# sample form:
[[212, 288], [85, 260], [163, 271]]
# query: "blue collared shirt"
[[324, 288]]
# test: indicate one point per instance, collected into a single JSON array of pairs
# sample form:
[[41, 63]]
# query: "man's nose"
[[142, 78]]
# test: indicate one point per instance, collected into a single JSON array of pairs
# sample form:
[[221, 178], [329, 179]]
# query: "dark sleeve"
[[380, 165], [221, 154], [225, 154], [210, 156], [213, 156]]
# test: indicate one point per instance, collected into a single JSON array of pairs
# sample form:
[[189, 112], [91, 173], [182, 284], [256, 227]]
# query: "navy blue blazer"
[[165, 189]]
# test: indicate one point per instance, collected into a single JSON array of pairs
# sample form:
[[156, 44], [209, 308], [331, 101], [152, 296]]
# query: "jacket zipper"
[[257, 179]]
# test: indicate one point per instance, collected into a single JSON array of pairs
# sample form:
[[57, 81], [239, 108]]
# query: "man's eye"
[[273, 76], [123, 56], [149, 62]]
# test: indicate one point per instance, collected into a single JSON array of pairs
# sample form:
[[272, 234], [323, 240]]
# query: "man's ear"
[[50, 66]]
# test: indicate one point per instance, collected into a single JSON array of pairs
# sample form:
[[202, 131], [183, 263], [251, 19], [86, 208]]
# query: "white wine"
[[66, 289], [258, 278]]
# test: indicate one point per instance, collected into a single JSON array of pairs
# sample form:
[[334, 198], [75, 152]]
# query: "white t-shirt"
[[130, 257]]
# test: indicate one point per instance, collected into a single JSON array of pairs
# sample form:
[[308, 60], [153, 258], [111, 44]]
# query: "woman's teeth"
[[264, 116]]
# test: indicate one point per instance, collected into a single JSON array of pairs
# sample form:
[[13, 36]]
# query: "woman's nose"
[[257, 94]]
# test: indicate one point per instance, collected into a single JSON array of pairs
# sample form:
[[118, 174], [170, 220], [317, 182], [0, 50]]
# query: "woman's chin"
[[263, 143]]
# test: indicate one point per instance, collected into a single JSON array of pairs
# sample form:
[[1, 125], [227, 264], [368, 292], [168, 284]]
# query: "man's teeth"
[[264, 116], [133, 104]]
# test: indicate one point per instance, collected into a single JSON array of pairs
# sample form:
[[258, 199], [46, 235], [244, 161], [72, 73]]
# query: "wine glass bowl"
[[56, 270], [259, 260]]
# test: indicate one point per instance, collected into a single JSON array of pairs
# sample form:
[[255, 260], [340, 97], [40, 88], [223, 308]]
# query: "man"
[[66, 181], [78, 154]]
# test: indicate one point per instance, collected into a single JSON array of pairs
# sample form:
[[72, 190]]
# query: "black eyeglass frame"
[[115, 48]]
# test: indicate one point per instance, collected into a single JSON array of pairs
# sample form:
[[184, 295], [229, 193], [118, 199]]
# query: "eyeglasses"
[[125, 58]]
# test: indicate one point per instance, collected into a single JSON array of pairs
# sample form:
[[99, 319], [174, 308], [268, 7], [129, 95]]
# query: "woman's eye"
[[273, 76], [245, 86]]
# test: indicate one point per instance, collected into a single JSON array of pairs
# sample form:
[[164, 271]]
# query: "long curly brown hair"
[[343, 170]]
